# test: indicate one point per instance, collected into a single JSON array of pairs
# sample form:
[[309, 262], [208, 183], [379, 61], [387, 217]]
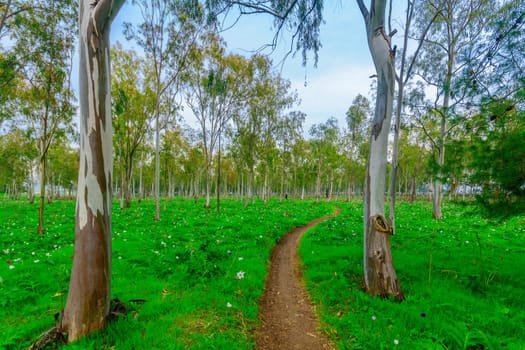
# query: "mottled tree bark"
[[88, 300], [379, 275], [43, 164]]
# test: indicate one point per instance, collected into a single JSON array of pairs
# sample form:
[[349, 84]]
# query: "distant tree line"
[[243, 103]]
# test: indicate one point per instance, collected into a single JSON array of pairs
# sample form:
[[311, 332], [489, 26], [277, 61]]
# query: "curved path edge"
[[288, 320]]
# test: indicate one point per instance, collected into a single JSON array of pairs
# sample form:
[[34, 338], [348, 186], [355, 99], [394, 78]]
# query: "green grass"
[[470, 297], [184, 266]]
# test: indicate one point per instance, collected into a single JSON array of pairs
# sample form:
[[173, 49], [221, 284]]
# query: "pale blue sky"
[[344, 63]]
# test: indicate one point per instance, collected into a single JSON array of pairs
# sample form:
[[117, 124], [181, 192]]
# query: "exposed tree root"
[[56, 336], [49, 339]]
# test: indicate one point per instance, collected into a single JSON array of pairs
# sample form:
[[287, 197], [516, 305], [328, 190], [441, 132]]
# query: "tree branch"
[[104, 13], [261, 8], [6, 10], [364, 11], [420, 45]]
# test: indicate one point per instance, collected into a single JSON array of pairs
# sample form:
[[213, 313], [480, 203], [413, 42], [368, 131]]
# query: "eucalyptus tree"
[[414, 160], [88, 301], [63, 168], [16, 162], [289, 130], [193, 168], [276, 97], [403, 77], [245, 139], [324, 146], [305, 18], [8, 83], [175, 150], [249, 121], [133, 108], [11, 59], [458, 24], [259, 124], [215, 93], [44, 95], [379, 274], [296, 124], [300, 152], [357, 117], [168, 35]]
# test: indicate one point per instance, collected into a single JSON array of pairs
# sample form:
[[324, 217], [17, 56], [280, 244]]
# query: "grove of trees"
[[458, 94]]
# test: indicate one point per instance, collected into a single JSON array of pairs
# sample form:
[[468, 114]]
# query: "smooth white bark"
[[89, 293]]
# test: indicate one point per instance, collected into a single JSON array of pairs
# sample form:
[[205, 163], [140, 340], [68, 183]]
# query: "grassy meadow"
[[463, 278], [200, 273], [193, 280]]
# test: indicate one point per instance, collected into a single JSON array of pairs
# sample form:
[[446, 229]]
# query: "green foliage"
[[498, 153], [16, 153], [468, 296], [185, 267], [303, 17]]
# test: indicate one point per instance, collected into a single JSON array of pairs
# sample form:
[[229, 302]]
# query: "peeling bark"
[[379, 275], [88, 299], [382, 279]]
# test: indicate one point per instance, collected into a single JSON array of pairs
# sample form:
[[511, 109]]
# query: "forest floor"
[[287, 316], [203, 273]]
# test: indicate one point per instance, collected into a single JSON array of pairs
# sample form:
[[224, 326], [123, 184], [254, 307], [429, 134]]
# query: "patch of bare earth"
[[287, 316]]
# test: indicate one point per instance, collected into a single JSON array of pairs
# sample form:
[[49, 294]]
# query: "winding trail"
[[287, 316]]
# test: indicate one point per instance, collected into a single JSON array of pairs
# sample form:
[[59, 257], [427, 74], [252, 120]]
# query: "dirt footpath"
[[287, 316]]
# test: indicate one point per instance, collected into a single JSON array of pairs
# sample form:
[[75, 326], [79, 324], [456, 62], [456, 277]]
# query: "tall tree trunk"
[[42, 182], [219, 176], [88, 299], [208, 184], [31, 185], [414, 189], [240, 186], [348, 189], [331, 190], [379, 275], [121, 192], [128, 181], [157, 163], [196, 187], [295, 190], [251, 187], [395, 149], [318, 181], [265, 190], [281, 194], [141, 179], [438, 186]]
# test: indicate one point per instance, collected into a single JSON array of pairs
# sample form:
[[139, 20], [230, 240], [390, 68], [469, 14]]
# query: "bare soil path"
[[287, 316]]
